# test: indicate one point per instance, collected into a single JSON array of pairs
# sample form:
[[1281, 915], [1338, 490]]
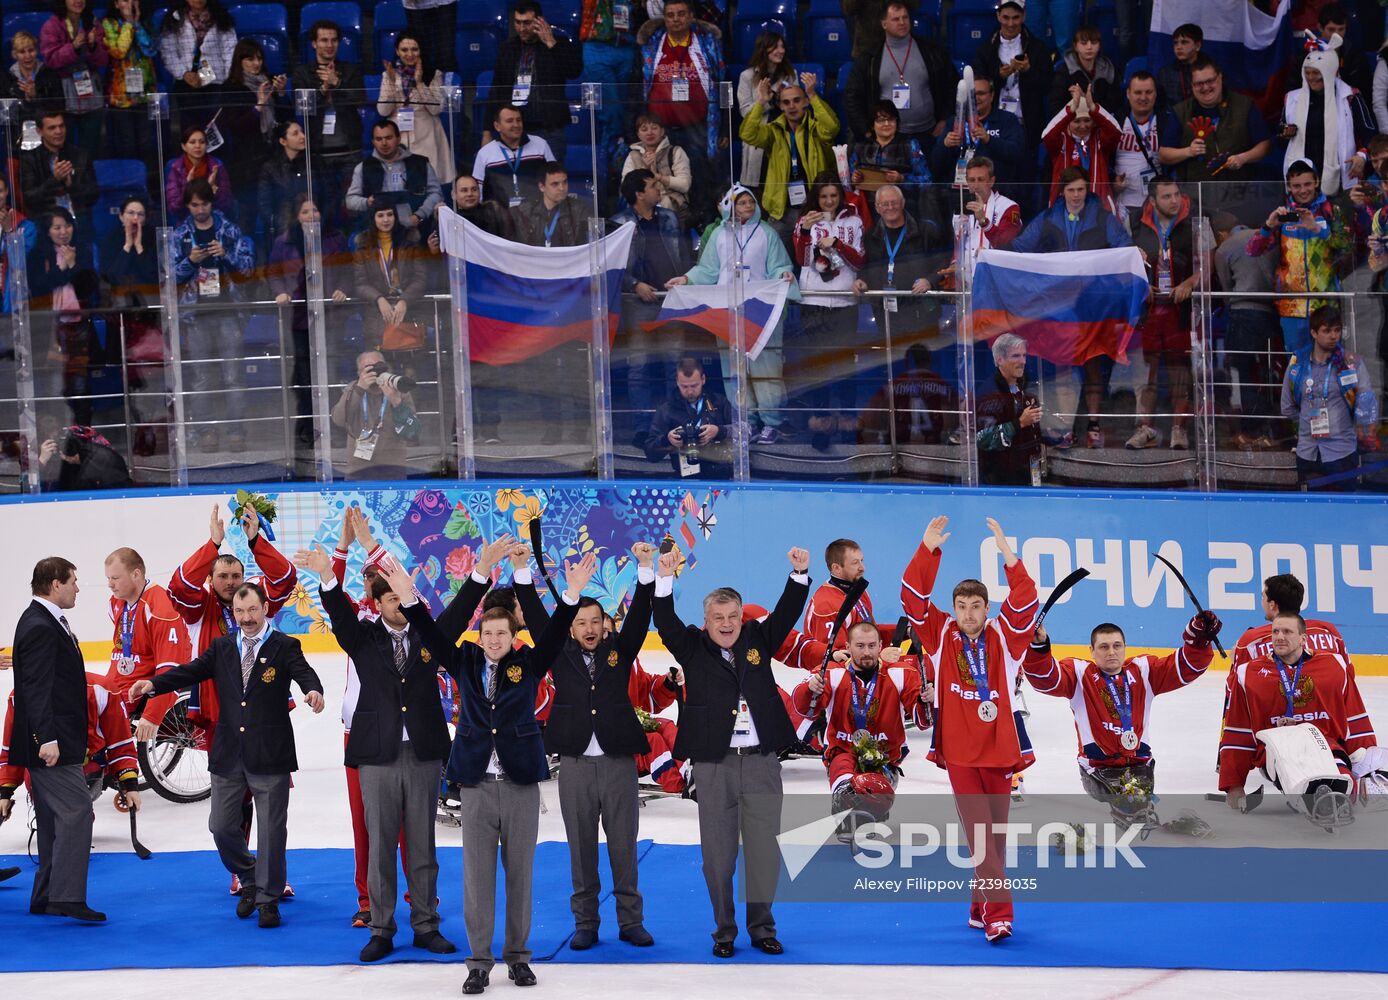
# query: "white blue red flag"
[[1250, 47], [524, 300], [710, 307], [1068, 307]]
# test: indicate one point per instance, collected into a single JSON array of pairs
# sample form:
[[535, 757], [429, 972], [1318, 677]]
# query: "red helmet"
[[874, 794]]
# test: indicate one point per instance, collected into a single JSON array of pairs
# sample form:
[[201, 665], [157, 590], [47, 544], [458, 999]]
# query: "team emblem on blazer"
[[754, 657], [424, 655], [268, 675], [612, 658], [514, 673]]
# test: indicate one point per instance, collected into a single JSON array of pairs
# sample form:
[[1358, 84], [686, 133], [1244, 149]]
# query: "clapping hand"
[[217, 528], [317, 560]]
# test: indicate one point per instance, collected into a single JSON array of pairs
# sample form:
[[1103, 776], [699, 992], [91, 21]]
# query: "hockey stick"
[[902, 634], [1060, 591], [537, 543], [141, 851], [1189, 593], [856, 589]]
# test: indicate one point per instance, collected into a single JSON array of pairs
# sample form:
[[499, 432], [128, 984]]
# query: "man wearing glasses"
[[1214, 133]]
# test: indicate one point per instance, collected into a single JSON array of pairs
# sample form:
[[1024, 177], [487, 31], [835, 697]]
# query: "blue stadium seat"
[[347, 16], [30, 21], [783, 10], [578, 161], [368, 112], [276, 49], [929, 19], [1135, 64], [827, 38], [480, 120], [746, 30], [967, 31], [825, 8], [476, 49], [388, 21], [1105, 18], [824, 86], [260, 19]]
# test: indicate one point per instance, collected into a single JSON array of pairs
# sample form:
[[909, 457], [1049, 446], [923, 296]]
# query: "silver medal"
[[860, 734], [1128, 739], [126, 666], [987, 711]]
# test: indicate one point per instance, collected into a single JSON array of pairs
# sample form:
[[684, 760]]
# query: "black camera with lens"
[[689, 441], [388, 379]]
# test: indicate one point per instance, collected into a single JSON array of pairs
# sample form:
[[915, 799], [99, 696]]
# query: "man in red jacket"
[[979, 739]]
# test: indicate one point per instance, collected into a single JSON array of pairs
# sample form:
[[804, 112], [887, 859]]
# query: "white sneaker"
[[1179, 439], [998, 930], [1143, 437]]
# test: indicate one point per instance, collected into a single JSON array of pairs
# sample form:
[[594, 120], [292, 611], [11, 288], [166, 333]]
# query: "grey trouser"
[[592, 789], [403, 792], [266, 868], [498, 812], [63, 808]]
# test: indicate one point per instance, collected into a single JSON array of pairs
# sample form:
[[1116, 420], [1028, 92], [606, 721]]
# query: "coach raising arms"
[[254, 744], [732, 726], [50, 739]]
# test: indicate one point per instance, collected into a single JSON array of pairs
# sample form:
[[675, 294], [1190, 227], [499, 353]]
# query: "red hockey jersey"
[[1256, 643], [896, 692], [824, 608], [158, 640], [108, 731], [961, 736]]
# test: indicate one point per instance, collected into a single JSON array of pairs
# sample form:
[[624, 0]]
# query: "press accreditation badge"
[[82, 81], [209, 282], [134, 81], [621, 16], [1320, 423], [1164, 280], [404, 119], [520, 92], [743, 725], [330, 123], [961, 170], [366, 446], [901, 96], [889, 303], [795, 192], [679, 89]]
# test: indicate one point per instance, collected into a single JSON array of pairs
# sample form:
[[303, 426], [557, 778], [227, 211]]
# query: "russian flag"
[[710, 307], [524, 300], [1250, 47], [1068, 307]]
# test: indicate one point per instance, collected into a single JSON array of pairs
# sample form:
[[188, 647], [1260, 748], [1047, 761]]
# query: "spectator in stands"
[[1019, 64], [1380, 87], [659, 251], [532, 67], [1009, 421], [1352, 66], [412, 97], [553, 219], [334, 130], [489, 216], [1328, 122], [1061, 16], [212, 258], [1173, 84], [388, 273], [196, 163], [747, 240], [509, 167], [1077, 221], [865, 23], [887, 157], [1327, 393], [926, 406], [1166, 237], [797, 144], [30, 82], [1251, 334], [899, 258], [196, 42], [692, 426], [990, 220], [11, 219], [681, 66], [607, 34], [1377, 230], [58, 174], [829, 251], [994, 133], [1082, 134], [1085, 70], [391, 177], [1213, 132], [130, 275], [284, 175], [435, 24], [1137, 160], [379, 420], [770, 62], [1313, 246], [289, 283], [128, 34], [668, 164], [909, 70], [72, 46], [62, 283], [252, 104]]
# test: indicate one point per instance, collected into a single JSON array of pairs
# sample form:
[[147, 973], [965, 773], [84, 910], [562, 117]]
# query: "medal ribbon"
[[860, 708], [975, 654], [1124, 705]]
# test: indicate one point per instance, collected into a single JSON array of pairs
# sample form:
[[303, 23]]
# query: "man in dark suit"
[[594, 730], [498, 756], [50, 739], [253, 747], [732, 726], [397, 742]]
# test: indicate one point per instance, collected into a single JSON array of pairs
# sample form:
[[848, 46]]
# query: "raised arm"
[[1188, 662], [1019, 610], [1047, 674], [552, 637], [455, 618], [527, 591], [637, 623], [347, 628], [927, 620], [781, 621], [673, 632]]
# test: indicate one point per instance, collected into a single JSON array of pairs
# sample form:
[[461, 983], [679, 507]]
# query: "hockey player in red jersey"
[[844, 558], [1110, 695], [150, 636], [978, 739], [1295, 688], [1283, 593]]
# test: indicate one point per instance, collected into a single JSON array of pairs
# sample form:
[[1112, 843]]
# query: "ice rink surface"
[[1183, 734]]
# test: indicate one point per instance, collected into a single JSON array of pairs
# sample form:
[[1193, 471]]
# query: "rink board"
[[176, 913]]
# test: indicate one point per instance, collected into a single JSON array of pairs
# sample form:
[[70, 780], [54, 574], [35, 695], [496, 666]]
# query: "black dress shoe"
[[269, 914], [377, 948], [245, 906], [435, 942], [476, 981], [39, 907], [8, 873], [583, 939], [362, 918], [77, 911], [769, 945], [722, 949], [637, 935], [520, 974]]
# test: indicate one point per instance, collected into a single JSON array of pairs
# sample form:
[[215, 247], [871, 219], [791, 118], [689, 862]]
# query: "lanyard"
[[127, 625], [742, 244], [386, 260], [698, 410], [794, 153], [1289, 683], [901, 66], [1144, 138], [1083, 155], [1072, 227], [1124, 705], [229, 626], [976, 654], [553, 224], [514, 164], [366, 415], [860, 708], [891, 252]]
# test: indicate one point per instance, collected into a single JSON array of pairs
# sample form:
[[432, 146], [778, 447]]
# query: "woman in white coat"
[[412, 96]]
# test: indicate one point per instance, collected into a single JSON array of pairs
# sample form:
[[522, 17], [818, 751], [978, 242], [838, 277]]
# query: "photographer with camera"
[[377, 412], [691, 427]]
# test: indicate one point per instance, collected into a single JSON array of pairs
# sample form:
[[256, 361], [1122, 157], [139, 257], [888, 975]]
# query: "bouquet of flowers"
[[647, 720], [263, 506], [867, 753]]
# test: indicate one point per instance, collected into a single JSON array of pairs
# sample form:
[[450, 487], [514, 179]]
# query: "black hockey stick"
[[141, 851], [856, 589], [902, 633], [1189, 593], [1060, 591], [537, 543]]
